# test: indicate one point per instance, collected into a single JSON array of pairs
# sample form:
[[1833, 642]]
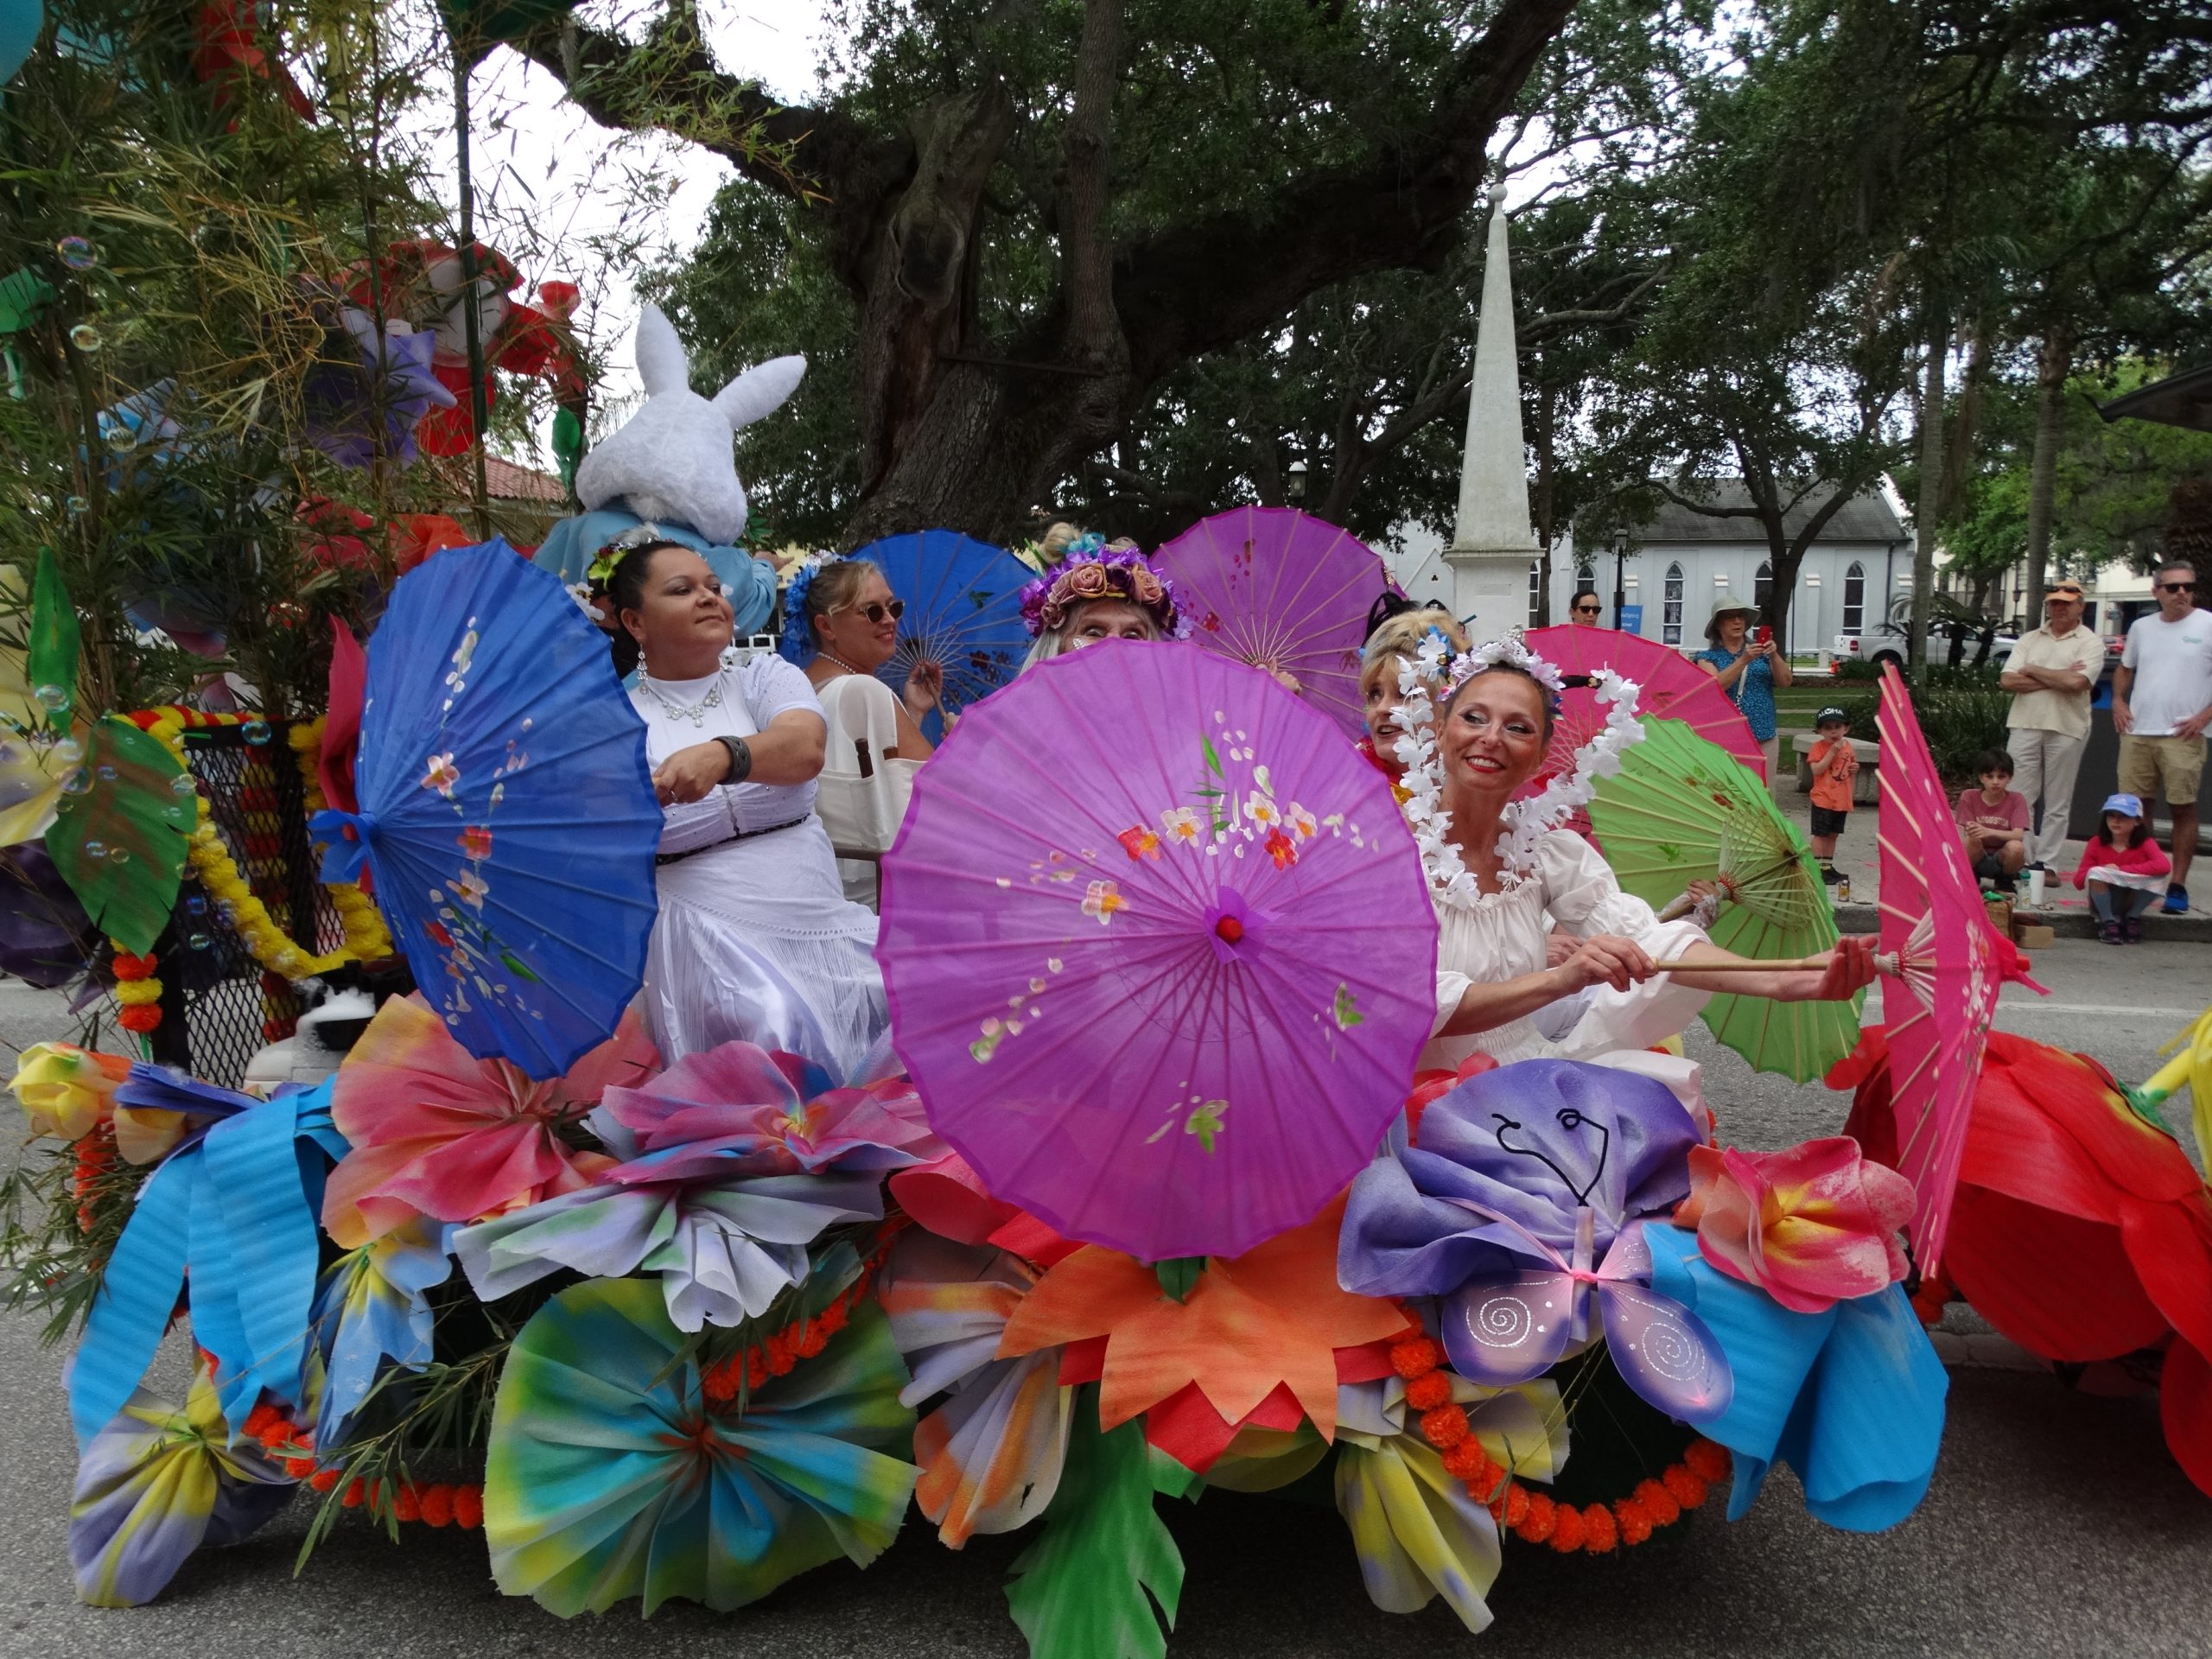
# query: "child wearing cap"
[[2123, 871], [1994, 820], [1834, 763]]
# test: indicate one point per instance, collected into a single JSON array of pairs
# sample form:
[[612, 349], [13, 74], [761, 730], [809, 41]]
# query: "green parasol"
[[1682, 809]]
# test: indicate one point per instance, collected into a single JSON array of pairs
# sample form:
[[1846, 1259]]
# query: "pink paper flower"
[[1811, 1226], [437, 1132]]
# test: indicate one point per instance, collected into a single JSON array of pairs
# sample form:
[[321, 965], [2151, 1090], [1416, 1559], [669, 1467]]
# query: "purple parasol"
[[1271, 586], [1160, 953]]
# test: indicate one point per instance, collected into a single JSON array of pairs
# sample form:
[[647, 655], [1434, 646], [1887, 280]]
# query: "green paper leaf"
[[1178, 1274], [1105, 1573], [567, 445], [24, 295], [134, 812], [52, 657], [1173, 1479]]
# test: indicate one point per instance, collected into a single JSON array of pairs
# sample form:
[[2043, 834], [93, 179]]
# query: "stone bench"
[[1863, 790]]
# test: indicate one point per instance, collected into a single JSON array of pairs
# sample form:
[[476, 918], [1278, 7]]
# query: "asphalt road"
[[2057, 1525]]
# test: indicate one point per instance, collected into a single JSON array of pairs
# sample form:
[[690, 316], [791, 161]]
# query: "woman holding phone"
[[1749, 670]]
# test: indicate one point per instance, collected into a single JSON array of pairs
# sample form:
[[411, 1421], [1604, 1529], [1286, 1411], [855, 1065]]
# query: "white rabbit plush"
[[672, 461], [671, 466]]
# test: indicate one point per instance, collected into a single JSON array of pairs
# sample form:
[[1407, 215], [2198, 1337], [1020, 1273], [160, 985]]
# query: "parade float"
[[1142, 1195]]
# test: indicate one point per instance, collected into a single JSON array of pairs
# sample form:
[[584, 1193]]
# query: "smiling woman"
[[755, 939]]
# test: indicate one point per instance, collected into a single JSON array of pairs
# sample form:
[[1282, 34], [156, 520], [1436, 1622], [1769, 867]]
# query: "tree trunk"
[[2056, 362], [1925, 510]]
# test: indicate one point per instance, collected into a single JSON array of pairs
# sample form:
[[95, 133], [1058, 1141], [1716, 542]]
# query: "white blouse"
[[1501, 936], [733, 702]]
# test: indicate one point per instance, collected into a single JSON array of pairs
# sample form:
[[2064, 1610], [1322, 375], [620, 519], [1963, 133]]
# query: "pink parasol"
[[1160, 951], [1670, 685], [1271, 586], [1937, 940]]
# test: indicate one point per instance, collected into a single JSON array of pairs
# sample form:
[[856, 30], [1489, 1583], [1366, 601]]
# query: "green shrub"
[[1966, 676], [1959, 725]]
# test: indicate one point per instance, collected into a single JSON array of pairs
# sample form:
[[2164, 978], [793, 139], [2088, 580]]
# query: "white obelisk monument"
[[1492, 542]]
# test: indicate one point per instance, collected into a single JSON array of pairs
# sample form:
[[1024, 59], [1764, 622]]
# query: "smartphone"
[[1766, 636]]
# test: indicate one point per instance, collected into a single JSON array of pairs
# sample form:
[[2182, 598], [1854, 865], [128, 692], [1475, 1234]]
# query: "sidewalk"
[[2064, 909]]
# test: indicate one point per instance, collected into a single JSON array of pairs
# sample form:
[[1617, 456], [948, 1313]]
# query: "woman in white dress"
[[1499, 877], [755, 939]]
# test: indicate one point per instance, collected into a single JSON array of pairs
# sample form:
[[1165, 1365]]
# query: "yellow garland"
[[366, 933], [366, 938]]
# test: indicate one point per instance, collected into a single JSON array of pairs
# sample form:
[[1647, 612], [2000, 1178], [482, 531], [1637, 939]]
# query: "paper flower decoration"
[[1418, 1532], [724, 1249], [1273, 1317], [991, 1454], [437, 1132], [1852, 1397], [65, 1090], [609, 1476], [363, 399], [45, 939], [741, 1110], [228, 1219], [1811, 1226], [369, 1309], [154, 1485]]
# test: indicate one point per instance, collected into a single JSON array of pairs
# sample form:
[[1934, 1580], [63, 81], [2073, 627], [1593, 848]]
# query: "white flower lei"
[[1527, 821]]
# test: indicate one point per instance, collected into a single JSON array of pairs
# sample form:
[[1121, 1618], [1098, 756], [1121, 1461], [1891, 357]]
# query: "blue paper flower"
[[1850, 1398]]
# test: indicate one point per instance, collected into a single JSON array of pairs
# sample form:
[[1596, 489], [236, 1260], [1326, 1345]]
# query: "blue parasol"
[[963, 612], [506, 810]]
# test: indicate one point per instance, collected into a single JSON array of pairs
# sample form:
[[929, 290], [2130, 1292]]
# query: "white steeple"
[[1492, 540]]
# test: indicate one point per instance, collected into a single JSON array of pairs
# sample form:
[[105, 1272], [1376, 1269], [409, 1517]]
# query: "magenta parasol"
[[1937, 940], [1669, 685], [1273, 588], [1160, 951]]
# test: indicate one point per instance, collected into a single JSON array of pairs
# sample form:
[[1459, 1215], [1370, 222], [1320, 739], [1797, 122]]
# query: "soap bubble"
[[55, 697], [107, 774], [78, 782], [119, 855], [182, 784], [84, 337], [77, 253], [199, 941], [70, 750], [119, 437], [78, 507], [256, 732], [195, 904], [96, 850]]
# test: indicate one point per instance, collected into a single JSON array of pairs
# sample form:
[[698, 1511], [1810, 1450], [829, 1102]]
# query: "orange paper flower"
[[1272, 1317]]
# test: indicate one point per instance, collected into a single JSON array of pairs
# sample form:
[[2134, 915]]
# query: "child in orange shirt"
[[1834, 763]]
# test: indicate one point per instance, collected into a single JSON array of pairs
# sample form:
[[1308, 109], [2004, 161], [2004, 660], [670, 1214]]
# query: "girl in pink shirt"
[[2123, 871]]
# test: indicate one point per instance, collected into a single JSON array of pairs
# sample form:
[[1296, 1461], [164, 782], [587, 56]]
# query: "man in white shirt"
[[2053, 674], [2161, 704]]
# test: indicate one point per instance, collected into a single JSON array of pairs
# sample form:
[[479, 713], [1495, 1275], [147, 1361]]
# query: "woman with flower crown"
[[1099, 591], [1500, 872]]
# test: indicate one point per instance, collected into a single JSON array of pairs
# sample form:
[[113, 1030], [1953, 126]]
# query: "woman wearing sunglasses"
[[1585, 608], [839, 618]]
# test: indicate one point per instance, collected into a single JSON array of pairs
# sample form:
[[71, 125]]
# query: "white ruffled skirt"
[[756, 942]]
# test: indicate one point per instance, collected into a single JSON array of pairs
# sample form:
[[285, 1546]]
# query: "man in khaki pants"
[[2052, 675], [2161, 704]]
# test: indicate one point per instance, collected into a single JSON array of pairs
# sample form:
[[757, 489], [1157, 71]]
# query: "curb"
[[2192, 928], [1982, 1351]]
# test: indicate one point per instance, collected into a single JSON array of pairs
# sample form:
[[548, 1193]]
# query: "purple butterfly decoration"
[[1509, 1328]]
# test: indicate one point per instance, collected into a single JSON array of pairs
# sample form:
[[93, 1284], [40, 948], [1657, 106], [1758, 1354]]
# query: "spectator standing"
[[1834, 764], [1749, 668], [1585, 609], [2161, 704], [2053, 674]]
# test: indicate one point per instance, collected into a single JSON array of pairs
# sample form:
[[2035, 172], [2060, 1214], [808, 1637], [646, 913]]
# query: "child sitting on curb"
[[1834, 764], [1994, 819], [2123, 871]]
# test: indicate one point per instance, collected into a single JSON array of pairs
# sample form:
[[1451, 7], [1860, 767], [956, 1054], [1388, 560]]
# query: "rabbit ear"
[[661, 362], [759, 390]]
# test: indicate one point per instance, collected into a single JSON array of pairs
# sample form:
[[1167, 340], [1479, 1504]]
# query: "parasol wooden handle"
[[1884, 962]]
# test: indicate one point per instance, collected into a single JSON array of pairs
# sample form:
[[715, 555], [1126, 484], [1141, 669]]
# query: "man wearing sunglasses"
[[2161, 705], [1585, 608]]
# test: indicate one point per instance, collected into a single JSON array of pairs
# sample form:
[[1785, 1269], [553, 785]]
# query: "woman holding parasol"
[[1499, 873], [755, 939], [1099, 591]]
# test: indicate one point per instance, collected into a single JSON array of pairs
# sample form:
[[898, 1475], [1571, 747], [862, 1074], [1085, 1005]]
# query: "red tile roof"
[[505, 481]]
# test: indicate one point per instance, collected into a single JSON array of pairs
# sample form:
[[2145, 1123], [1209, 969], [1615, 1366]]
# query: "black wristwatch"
[[740, 759]]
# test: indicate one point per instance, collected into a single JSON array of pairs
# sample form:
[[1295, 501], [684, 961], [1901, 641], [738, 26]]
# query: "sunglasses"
[[1587, 610], [2176, 587], [876, 610]]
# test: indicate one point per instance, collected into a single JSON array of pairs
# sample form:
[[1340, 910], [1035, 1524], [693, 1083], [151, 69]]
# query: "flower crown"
[[613, 552], [1093, 571], [1527, 821], [795, 642]]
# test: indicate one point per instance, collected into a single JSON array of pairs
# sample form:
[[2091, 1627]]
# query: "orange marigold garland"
[[1537, 1518], [801, 1339], [435, 1503]]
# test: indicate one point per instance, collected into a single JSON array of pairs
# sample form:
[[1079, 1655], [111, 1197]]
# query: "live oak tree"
[[1039, 212]]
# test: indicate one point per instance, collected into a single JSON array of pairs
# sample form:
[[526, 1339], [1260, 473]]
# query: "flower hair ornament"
[[1093, 571], [602, 572], [796, 642], [1527, 822]]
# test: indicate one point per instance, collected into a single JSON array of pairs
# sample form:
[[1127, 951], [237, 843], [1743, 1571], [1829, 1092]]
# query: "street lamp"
[[1620, 585], [1293, 483]]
